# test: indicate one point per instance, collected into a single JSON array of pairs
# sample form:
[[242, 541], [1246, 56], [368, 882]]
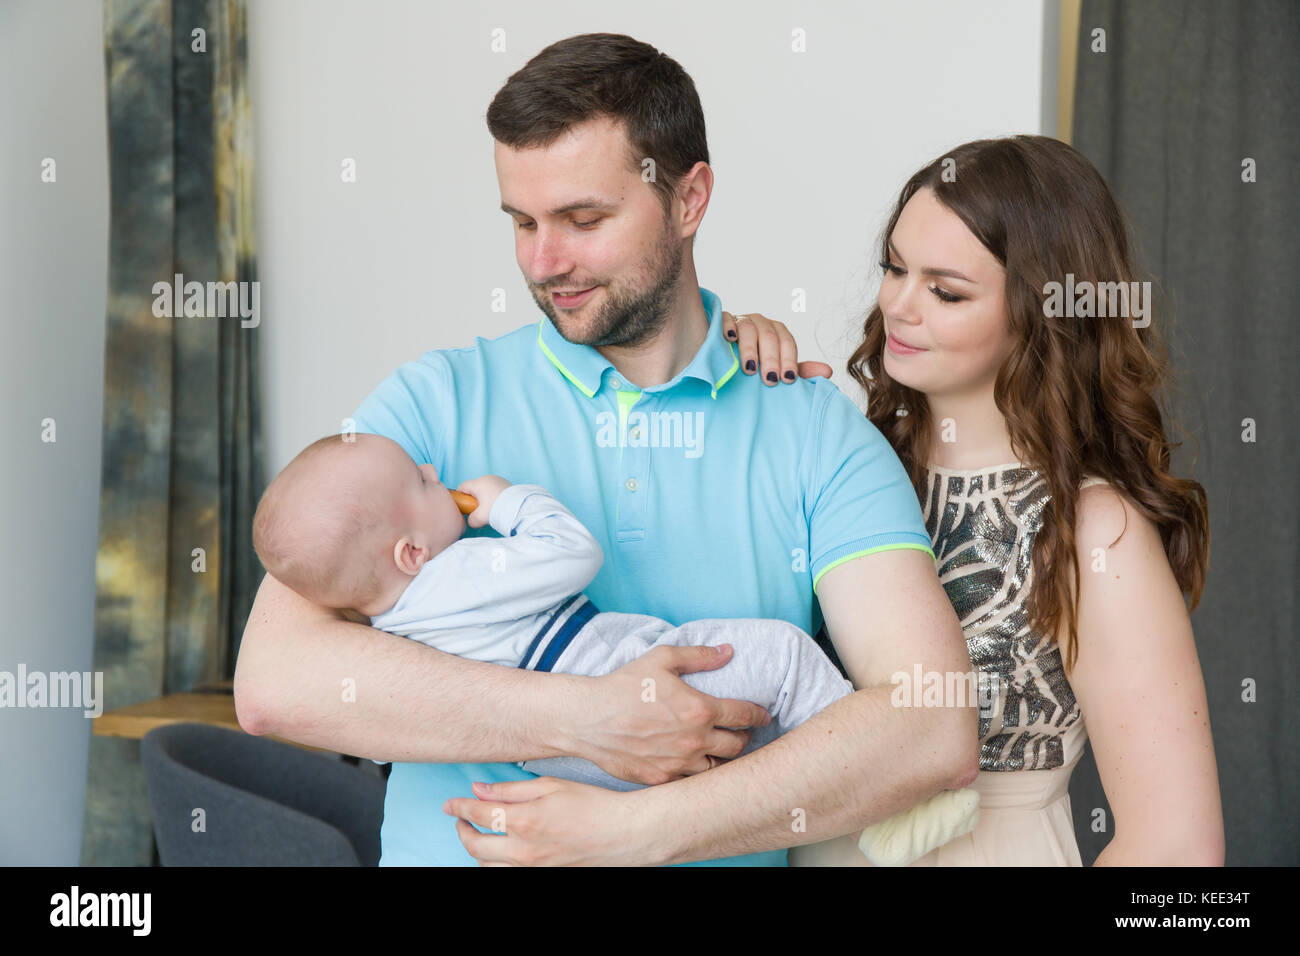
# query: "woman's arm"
[[1139, 684]]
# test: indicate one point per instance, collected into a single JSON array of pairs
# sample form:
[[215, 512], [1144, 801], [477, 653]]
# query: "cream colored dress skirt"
[[1024, 821]]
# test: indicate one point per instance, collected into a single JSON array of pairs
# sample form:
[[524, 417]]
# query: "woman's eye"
[[944, 295], [891, 268]]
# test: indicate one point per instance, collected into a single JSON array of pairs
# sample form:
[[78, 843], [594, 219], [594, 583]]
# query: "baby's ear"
[[408, 558]]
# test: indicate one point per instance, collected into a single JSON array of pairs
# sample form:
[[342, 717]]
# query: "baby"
[[353, 523]]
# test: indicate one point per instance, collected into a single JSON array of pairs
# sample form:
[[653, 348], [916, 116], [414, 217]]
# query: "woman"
[[1033, 435]]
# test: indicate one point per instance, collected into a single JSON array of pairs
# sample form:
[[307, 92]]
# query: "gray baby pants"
[[774, 664]]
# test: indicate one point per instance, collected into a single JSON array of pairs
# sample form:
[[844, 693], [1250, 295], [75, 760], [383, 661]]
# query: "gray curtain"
[[1184, 93], [175, 572]]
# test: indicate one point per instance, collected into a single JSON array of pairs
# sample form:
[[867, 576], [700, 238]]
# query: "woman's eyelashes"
[[942, 295]]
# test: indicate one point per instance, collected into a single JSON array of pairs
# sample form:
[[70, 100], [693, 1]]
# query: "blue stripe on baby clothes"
[[566, 634], [528, 654]]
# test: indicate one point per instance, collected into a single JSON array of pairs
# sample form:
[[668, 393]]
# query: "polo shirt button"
[[615, 384], [635, 434], [631, 484]]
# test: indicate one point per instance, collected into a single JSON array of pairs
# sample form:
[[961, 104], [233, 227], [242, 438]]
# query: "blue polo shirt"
[[712, 495]]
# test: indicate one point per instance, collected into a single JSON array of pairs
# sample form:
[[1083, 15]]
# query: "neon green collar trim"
[[715, 363]]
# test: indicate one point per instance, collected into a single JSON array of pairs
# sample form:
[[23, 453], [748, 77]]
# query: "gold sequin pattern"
[[982, 525]]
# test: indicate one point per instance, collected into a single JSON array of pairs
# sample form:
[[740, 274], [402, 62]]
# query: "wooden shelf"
[[215, 708]]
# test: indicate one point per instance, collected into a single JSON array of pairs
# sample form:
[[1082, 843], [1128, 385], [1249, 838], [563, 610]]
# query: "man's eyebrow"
[[587, 202], [945, 273]]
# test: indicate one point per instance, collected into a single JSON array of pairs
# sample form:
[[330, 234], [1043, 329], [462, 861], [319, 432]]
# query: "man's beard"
[[627, 317]]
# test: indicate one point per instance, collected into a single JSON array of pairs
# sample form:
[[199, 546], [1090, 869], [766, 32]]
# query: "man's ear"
[[693, 192]]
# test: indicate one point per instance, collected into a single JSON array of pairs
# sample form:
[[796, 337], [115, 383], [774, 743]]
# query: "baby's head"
[[351, 520]]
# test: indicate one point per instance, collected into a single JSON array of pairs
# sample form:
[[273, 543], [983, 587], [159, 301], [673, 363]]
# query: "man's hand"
[[643, 723], [486, 489]]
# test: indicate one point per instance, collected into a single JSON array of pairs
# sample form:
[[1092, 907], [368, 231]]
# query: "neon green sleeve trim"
[[858, 554]]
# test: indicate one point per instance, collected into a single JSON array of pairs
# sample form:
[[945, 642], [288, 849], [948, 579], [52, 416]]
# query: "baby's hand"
[[486, 489]]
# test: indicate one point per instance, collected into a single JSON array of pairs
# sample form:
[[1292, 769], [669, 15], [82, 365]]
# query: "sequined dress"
[[982, 523]]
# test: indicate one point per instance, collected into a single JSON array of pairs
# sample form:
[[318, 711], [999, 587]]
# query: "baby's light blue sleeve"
[[544, 555]]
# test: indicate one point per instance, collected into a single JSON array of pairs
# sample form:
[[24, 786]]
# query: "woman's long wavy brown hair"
[[1080, 395]]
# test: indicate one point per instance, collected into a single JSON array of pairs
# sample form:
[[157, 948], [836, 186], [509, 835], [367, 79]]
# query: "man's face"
[[592, 240]]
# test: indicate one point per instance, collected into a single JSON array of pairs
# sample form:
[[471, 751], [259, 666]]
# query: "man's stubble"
[[628, 317]]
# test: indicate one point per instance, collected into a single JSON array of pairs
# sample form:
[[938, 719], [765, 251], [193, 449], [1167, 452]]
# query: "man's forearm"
[[357, 690], [857, 762]]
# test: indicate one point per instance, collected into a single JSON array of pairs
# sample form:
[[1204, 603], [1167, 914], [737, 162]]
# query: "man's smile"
[[573, 299]]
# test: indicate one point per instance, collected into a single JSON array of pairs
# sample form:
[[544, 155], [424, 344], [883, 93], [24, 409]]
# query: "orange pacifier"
[[466, 503]]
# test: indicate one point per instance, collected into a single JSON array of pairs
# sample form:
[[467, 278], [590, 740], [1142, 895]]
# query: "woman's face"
[[942, 295]]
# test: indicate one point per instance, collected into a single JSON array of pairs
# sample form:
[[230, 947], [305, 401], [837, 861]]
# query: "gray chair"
[[264, 803]]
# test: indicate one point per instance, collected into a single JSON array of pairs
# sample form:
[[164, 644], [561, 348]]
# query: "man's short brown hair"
[[606, 74]]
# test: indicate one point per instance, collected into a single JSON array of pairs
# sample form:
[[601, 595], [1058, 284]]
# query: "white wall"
[[809, 150], [53, 284]]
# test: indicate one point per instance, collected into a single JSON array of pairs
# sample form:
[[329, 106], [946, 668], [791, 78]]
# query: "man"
[[711, 495]]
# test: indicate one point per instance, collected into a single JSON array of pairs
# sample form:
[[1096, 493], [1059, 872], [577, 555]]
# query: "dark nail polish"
[[750, 366], [732, 336], [789, 376], [771, 376]]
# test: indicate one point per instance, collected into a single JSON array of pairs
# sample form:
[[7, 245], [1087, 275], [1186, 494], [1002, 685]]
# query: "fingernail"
[[789, 376], [480, 783], [732, 336], [771, 376], [750, 365]]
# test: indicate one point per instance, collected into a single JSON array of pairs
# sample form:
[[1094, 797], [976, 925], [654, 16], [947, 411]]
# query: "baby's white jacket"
[[487, 598]]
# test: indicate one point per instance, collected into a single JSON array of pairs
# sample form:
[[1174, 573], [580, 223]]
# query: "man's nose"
[[550, 257]]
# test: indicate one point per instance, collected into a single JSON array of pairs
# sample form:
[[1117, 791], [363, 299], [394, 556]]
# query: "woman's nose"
[[900, 306]]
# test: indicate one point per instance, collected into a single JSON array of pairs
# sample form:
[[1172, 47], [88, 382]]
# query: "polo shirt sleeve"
[[408, 406], [860, 500]]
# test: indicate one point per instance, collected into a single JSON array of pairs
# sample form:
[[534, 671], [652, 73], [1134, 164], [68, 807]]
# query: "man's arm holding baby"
[[858, 761], [322, 677], [309, 674]]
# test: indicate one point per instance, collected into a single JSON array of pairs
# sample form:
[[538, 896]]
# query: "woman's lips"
[[898, 348]]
